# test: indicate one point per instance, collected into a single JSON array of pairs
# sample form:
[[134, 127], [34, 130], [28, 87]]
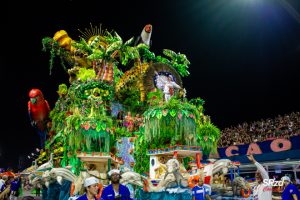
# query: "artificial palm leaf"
[[118, 37], [113, 47], [170, 54], [208, 135], [129, 42]]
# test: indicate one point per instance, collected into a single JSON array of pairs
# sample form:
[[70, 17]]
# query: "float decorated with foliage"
[[123, 107]]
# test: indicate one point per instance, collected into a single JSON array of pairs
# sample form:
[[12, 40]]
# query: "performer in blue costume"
[[199, 192], [91, 189], [115, 190]]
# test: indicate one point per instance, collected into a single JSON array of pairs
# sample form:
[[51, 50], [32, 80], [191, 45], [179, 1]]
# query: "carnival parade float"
[[124, 107]]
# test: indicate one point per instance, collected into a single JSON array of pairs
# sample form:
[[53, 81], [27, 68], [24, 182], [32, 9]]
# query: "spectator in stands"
[[281, 127]]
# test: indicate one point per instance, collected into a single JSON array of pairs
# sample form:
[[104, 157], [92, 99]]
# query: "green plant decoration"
[[208, 135], [142, 160], [131, 100], [173, 121], [155, 98], [105, 91], [145, 53], [82, 46], [62, 89], [177, 60], [55, 50], [86, 74]]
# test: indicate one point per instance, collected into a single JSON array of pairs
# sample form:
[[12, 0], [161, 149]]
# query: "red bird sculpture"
[[38, 110]]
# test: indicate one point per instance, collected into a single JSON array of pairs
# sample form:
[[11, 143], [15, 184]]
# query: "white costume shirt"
[[262, 191], [165, 85], [168, 85]]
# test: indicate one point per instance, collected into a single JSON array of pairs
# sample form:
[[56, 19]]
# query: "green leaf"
[[159, 114], [114, 46], [103, 126], [98, 127], [169, 53], [173, 113], [142, 45], [128, 42], [77, 126], [186, 113], [118, 37], [153, 113]]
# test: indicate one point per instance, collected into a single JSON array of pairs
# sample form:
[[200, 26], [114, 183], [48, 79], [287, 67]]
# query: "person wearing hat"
[[290, 191], [91, 189], [115, 190]]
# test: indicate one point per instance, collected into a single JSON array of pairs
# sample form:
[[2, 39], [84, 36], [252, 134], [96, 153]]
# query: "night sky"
[[244, 54]]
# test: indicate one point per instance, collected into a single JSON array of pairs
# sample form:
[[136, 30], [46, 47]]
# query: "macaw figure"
[[38, 110]]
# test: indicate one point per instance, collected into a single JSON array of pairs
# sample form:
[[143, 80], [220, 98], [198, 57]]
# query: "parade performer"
[[115, 190], [91, 189], [290, 191], [261, 191], [199, 192], [168, 86]]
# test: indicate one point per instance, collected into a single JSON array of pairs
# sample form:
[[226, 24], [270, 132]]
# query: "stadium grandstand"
[[285, 126], [275, 144]]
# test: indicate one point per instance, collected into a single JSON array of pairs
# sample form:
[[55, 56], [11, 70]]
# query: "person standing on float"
[[168, 86], [261, 191]]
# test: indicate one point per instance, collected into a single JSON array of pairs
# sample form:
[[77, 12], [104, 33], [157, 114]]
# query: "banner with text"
[[277, 147]]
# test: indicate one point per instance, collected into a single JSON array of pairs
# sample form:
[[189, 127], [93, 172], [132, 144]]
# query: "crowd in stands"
[[281, 127]]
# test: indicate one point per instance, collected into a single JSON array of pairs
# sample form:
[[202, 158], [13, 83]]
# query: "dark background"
[[244, 54]]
